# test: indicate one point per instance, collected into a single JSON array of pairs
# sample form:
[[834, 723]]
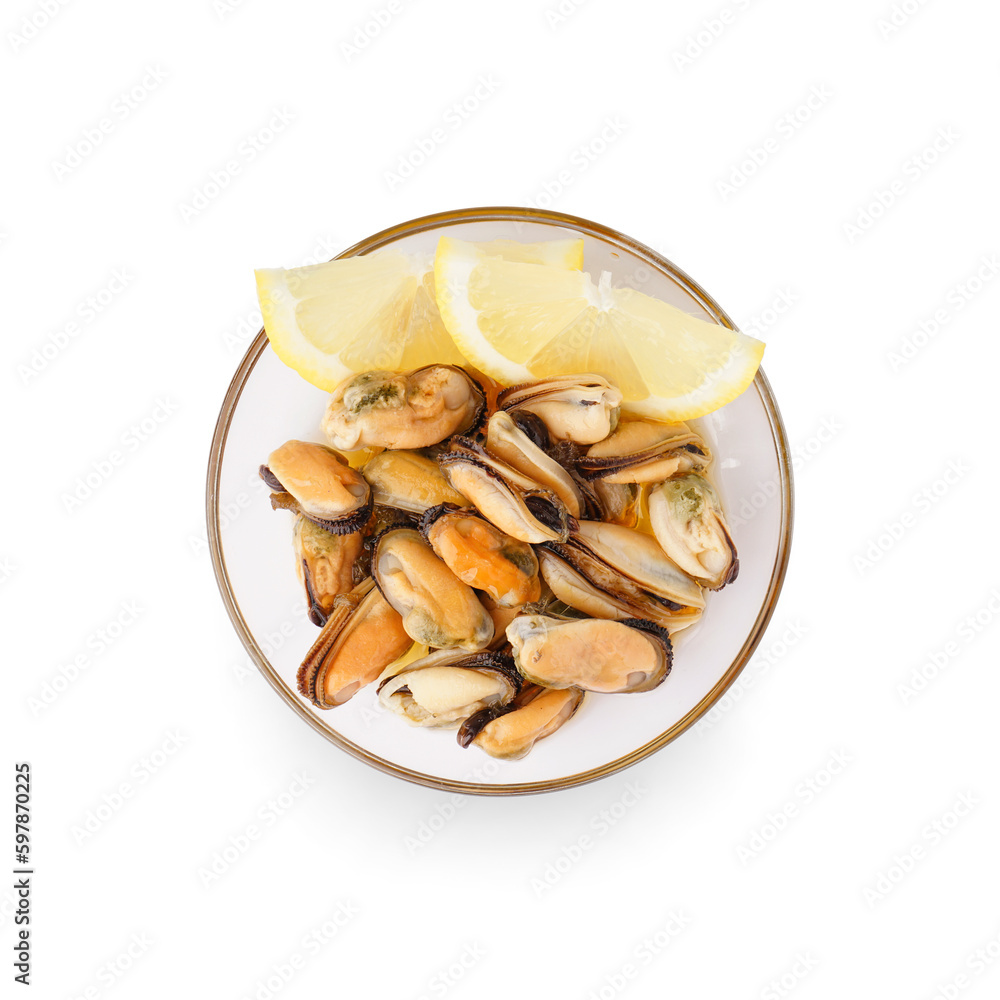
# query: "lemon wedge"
[[555, 253], [377, 311], [520, 321]]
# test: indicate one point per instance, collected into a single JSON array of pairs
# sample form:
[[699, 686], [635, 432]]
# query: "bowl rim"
[[779, 436]]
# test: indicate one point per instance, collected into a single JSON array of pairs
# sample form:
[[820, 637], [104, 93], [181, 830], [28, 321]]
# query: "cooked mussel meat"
[[514, 502], [437, 608], [413, 409], [617, 503], [591, 653], [610, 571], [644, 451], [320, 485], [325, 564], [483, 556], [520, 440], [579, 408], [510, 731], [447, 686], [409, 481], [362, 636], [687, 519]]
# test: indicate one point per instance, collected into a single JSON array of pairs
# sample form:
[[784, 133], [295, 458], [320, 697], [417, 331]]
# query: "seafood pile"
[[530, 542]]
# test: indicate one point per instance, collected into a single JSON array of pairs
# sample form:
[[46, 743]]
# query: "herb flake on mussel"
[[402, 410], [687, 519]]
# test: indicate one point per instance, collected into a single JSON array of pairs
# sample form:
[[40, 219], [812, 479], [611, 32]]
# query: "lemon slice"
[[355, 314], [556, 253], [522, 321]]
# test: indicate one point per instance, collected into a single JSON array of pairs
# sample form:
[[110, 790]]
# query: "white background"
[[883, 879]]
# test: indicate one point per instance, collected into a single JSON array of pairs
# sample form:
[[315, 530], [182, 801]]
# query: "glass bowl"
[[268, 403]]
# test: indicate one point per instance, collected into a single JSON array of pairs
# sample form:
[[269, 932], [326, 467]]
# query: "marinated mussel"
[[687, 519], [617, 503], [610, 571], [499, 527], [591, 653], [362, 636], [483, 556], [510, 731], [414, 409], [445, 687], [437, 608], [517, 504], [325, 564], [579, 408], [644, 451], [409, 481], [520, 440], [320, 485]]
